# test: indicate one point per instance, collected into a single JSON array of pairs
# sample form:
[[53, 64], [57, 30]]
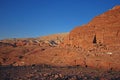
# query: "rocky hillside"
[[102, 31], [13, 50]]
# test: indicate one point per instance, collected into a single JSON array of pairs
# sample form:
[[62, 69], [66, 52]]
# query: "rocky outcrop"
[[103, 30]]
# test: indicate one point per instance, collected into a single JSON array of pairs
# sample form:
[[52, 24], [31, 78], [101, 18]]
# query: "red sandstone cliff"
[[102, 30]]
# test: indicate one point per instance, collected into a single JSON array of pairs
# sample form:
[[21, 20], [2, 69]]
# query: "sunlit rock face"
[[104, 30]]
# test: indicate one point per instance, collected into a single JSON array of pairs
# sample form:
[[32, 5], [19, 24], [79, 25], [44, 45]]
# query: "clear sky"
[[34, 18]]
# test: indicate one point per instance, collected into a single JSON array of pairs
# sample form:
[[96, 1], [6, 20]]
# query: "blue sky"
[[34, 18]]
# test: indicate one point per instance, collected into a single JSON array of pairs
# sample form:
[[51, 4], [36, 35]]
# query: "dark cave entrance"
[[94, 40]]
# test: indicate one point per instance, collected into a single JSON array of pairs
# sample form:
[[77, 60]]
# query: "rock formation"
[[102, 30]]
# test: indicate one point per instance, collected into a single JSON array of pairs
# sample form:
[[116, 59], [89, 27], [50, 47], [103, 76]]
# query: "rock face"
[[104, 30]]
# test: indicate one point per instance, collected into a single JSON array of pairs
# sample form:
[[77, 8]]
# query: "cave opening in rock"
[[94, 40]]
